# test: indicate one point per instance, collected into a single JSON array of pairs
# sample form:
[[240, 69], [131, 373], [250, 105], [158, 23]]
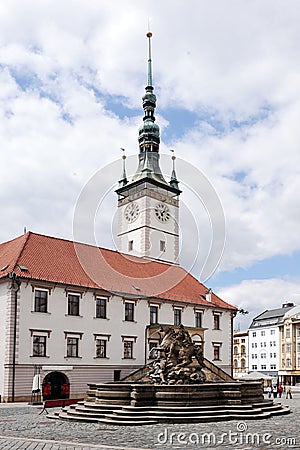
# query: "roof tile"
[[77, 264]]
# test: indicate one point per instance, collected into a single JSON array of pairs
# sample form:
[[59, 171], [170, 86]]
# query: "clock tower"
[[148, 205]]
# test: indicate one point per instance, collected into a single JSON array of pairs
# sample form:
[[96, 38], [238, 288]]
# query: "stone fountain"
[[179, 385]]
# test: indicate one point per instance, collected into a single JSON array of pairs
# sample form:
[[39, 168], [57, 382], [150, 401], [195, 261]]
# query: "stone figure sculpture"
[[177, 360]]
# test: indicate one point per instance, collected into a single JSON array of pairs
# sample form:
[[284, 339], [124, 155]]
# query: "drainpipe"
[[145, 342], [15, 286], [233, 314]]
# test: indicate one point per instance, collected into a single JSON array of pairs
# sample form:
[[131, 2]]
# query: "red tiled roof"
[[76, 264]]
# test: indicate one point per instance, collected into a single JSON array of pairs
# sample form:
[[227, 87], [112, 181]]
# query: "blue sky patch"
[[279, 266]]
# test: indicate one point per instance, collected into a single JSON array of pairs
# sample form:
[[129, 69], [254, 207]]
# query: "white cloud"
[[231, 63], [256, 296]]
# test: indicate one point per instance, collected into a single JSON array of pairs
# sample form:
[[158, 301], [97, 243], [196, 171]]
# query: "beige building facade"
[[240, 354], [289, 347]]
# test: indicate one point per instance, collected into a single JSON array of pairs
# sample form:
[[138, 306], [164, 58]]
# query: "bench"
[[59, 403]]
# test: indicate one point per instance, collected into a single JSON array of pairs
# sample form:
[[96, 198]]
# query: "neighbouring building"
[[72, 313], [264, 341], [240, 354], [289, 347]]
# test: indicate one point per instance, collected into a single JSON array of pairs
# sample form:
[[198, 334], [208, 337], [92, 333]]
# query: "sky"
[[227, 80]]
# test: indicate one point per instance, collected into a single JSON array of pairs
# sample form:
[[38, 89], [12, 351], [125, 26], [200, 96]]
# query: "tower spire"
[[123, 181], [149, 139], [150, 81], [173, 181], [149, 135]]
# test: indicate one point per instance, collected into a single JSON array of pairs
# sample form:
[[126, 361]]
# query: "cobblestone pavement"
[[21, 427]]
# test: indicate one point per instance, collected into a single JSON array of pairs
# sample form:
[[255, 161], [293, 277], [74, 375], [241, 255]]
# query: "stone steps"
[[143, 415], [129, 420]]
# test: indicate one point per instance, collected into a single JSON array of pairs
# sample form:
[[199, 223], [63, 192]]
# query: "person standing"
[[288, 391], [280, 390], [269, 391], [274, 390]]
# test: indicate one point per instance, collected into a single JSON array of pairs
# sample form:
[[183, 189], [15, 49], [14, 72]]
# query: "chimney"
[[208, 295]]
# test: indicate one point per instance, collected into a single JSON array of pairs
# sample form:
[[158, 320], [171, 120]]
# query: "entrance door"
[[56, 385]]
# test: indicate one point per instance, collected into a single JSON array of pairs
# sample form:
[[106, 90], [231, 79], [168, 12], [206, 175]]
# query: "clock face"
[[132, 212], [162, 212]]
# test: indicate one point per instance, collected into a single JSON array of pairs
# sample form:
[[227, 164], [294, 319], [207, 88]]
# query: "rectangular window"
[[254, 367], [263, 356], [298, 332], [288, 333], [72, 347], [101, 306], [177, 316], [40, 300], [299, 362], [263, 333], [274, 343], [39, 345], [273, 366], [130, 246], [298, 347], [101, 345], [263, 367], [162, 246], [198, 319], [216, 321], [153, 314], [272, 331], [128, 349], [216, 353], [254, 334], [129, 312], [73, 305], [288, 348], [288, 362]]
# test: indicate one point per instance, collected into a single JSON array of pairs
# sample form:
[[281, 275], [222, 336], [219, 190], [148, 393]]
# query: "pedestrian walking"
[[274, 390], [288, 391], [269, 391]]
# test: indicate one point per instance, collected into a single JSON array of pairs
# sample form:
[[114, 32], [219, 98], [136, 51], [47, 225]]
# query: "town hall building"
[[73, 313]]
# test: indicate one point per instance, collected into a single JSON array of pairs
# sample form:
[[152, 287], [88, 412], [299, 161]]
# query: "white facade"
[[264, 341], [49, 332], [148, 223], [264, 349]]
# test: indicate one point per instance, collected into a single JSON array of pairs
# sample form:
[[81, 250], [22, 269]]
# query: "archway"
[[56, 385]]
